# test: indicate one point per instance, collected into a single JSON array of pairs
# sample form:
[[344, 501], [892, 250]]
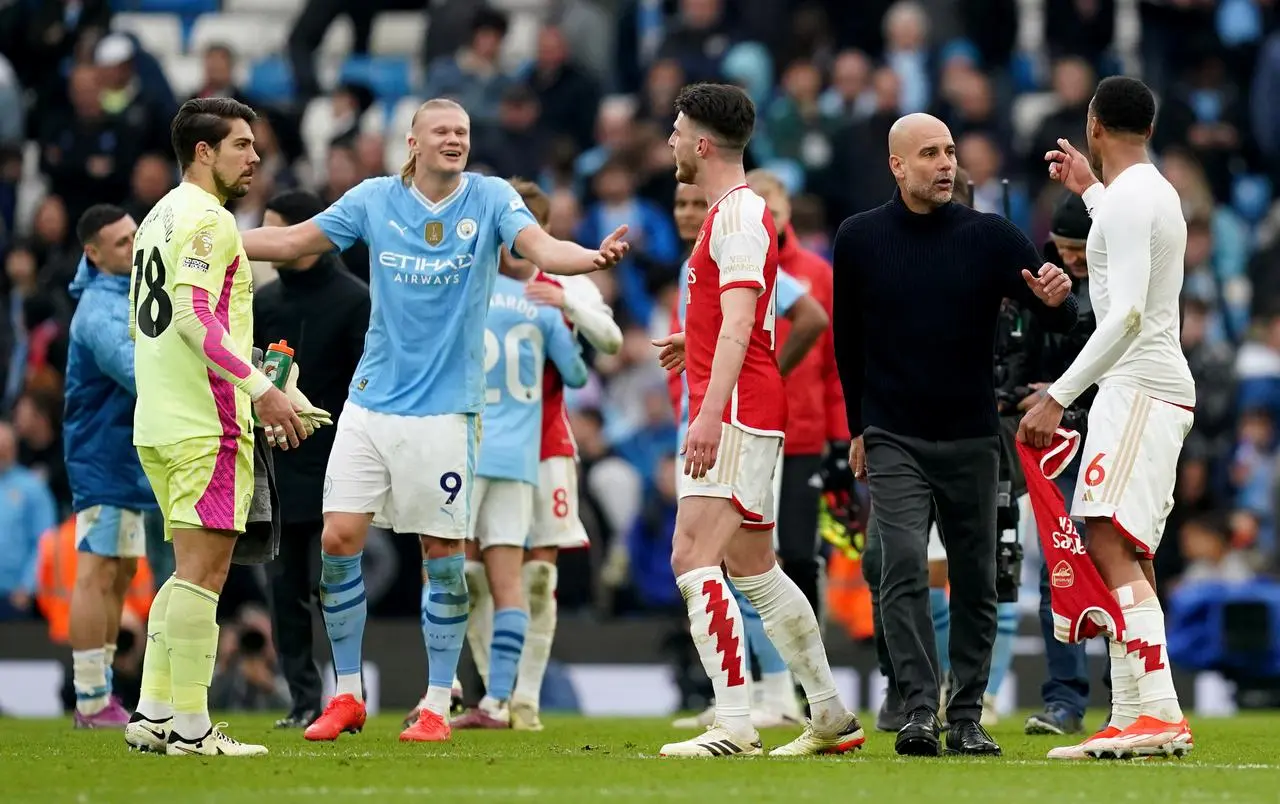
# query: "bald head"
[[911, 129], [922, 157]]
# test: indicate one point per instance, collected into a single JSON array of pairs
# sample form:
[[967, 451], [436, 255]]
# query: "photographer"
[[246, 678], [1066, 691]]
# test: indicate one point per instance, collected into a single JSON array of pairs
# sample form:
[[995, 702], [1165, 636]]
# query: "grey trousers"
[[907, 476]]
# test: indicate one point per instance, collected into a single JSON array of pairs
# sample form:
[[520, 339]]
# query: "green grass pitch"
[[599, 760]]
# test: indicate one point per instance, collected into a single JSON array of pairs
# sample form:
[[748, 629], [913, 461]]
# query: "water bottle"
[[277, 362]]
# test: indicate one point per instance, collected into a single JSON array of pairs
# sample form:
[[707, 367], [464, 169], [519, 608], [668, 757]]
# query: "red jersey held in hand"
[[557, 438], [736, 248], [1083, 606]]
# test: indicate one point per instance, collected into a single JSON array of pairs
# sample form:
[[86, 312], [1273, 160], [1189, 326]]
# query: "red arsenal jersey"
[[1082, 605], [736, 248], [557, 440]]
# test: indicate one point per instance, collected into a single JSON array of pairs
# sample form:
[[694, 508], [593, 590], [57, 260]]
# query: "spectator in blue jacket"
[[27, 510], [110, 494]]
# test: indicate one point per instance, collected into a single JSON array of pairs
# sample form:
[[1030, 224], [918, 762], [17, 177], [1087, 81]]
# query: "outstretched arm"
[[568, 259], [286, 243]]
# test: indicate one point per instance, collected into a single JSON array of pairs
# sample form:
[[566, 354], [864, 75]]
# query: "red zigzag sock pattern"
[[721, 628]]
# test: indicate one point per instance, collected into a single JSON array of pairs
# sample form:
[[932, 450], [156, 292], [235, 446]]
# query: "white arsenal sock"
[[1125, 704], [540, 593], [793, 629], [480, 623], [1146, 651], [716, 624]]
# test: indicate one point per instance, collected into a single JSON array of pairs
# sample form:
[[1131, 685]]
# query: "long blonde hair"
[[410, 165]]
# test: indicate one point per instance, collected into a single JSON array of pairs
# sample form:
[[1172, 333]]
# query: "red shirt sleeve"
[[837, 420]]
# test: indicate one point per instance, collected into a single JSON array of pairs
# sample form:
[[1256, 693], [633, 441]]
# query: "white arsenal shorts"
[[1129, 463], [555, 509], [744, 473]]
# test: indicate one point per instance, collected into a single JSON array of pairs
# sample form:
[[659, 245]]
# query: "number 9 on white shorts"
[[415, 474]]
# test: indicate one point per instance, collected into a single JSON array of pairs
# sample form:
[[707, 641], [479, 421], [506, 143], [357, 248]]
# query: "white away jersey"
[[1135, 250]]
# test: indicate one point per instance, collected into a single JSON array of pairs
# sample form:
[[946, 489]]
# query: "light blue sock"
[[444, 618], [1002, 651], [758, 642], [509, 626], [345, 609], [941, 608]]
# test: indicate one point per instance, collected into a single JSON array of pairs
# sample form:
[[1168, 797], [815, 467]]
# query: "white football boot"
[[716, 741], [212, 744]]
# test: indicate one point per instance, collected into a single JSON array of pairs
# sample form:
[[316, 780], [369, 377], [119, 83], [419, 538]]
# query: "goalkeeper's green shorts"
[[204, 482]]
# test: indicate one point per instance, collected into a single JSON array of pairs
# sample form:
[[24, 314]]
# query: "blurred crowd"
[[582, 103]]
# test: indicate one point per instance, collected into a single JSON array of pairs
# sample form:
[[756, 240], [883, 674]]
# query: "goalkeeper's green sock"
[[155, 699], [193, 650]]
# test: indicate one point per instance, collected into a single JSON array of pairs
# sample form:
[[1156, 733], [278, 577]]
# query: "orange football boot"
[[344, 713], [430, 728]]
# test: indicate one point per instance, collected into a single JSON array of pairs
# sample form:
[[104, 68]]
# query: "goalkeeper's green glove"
[[312, 417]]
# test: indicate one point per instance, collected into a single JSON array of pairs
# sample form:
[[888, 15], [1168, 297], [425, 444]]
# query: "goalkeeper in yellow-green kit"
[[191, 318]]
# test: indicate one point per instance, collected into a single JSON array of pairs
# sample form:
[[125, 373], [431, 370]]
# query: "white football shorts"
[[503, 512], [555, 512], [744, 473], [415, 474], [111, 532], [937, 551], [1129, 463]]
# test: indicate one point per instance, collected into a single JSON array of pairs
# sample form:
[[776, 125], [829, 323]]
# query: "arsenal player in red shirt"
[[737, 410]]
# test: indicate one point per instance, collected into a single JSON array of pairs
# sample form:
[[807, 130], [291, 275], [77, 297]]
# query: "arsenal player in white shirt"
[[1143, 410], [737, 410]]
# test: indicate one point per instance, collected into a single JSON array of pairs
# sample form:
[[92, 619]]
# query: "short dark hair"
[[296, 206], [1124, 105], [204, 120], [488, 18], [726, 110], [95, 218]]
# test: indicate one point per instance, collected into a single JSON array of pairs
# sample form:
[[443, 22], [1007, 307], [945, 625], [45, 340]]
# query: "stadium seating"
[[160, 34], [398, 33], [389, 78], [252, 36], [270, 80]]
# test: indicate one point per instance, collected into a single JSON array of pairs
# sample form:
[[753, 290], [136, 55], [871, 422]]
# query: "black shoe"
[[298, 719], [1055, 719], [969, 738], [890, 718], [919, 737]]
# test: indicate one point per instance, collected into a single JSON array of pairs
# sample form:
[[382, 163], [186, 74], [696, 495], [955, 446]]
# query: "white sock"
[[350, 685], [89, 675], [791, 625], [1147, 656], [438, 699], [716, 624], [191, 725], [108, 658], [1125, 704], [480, 623], [155, 711], [539, 581], [778, 693]]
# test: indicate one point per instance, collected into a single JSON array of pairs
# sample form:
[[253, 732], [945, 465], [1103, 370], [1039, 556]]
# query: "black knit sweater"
[[915, 307]]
